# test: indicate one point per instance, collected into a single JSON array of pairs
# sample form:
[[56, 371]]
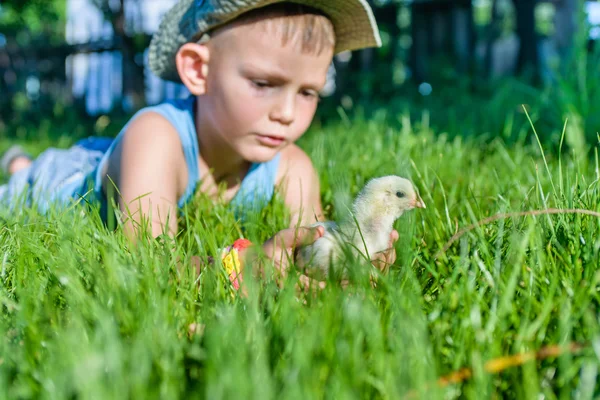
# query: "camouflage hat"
[[353, 22]]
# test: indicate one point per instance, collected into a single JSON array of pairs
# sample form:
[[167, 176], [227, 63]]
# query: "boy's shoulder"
[[152, 132], [298, 182], [180, 105], [294, 154], [295, 162], [174, 115]]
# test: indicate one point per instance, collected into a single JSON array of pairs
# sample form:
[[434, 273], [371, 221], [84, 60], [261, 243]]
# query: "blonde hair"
[[294, 24]]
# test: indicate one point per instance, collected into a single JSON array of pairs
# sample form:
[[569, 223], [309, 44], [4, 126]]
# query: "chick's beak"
[[418, 203]]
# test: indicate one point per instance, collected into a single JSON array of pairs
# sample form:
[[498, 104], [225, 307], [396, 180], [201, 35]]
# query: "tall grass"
[[85, 315]]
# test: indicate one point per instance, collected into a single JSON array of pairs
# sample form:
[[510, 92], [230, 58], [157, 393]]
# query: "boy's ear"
[[192, 67]]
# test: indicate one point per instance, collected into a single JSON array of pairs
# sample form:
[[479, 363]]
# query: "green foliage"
[[36, 15], [86, 315]]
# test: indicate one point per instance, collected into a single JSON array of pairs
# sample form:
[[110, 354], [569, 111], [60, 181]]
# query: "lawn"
[[85, 315]]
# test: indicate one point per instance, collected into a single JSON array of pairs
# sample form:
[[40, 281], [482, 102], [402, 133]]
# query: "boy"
[[254, 69]]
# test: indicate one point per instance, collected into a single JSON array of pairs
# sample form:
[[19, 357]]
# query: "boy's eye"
[[310, 94], [260, 84]]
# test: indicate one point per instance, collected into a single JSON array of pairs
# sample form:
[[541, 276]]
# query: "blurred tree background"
[[465, 67]]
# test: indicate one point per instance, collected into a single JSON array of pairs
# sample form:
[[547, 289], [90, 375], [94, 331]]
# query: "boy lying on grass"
[[254, 69]]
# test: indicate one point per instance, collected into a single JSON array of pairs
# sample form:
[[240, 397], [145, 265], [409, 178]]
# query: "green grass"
[[86, 316]]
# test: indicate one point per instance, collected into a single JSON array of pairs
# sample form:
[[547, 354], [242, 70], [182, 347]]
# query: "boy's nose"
[[284, 110]]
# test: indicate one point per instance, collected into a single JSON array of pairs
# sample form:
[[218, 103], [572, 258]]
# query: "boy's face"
[[260, 95]]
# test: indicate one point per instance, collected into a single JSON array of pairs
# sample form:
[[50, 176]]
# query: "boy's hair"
[[293, 23]]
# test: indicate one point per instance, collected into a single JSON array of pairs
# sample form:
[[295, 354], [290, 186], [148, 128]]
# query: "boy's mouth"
[[270, 140]]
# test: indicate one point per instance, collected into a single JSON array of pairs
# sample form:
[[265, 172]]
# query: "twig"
[[496, 217], [500, 364]]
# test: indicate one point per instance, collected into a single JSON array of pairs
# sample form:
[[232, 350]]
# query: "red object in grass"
[[241, 244]]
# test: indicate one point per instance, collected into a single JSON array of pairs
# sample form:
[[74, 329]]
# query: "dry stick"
[[496, 217], [499, 364]]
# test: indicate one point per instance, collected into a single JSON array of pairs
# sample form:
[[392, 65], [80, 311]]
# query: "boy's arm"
[[151, 165], [299, 185]]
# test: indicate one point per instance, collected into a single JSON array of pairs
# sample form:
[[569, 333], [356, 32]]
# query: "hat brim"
[[353, 21]]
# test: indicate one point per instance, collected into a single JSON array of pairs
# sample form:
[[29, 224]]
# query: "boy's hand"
[[280, 248], [384, 259]]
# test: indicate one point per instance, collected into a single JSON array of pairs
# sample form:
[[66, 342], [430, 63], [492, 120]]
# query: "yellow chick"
[[381, 202]]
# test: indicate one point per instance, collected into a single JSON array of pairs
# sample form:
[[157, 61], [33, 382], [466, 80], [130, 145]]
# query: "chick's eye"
[[400, 194]]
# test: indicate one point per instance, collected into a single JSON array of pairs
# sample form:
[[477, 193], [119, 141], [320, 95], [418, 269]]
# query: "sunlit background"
[[90, 56]]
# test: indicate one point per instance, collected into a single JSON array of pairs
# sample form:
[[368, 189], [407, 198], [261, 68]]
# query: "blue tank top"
[[256, 189]]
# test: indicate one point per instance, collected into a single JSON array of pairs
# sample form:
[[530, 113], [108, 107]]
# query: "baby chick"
[[381, 202]]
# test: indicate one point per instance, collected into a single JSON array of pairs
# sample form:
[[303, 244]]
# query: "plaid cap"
[[353, 21]]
